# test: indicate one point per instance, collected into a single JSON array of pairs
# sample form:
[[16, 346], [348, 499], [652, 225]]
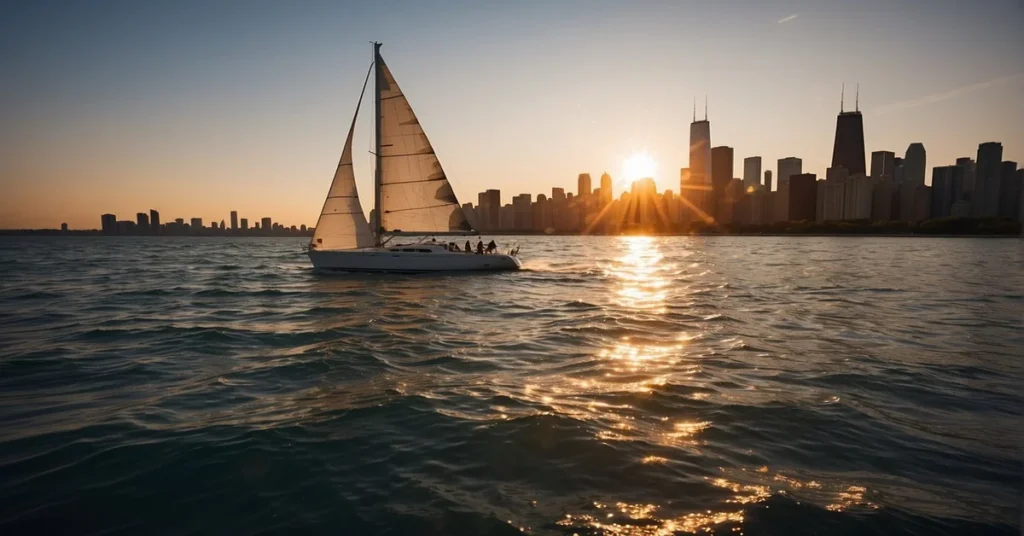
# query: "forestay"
[[342, 224]]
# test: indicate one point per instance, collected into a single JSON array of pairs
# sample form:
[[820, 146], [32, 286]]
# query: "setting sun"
[[639, 165]]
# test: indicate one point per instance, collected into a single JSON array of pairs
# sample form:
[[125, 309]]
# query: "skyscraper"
[[523, 212], [751, 171], [154, 221], [848, 151], [721, 174], [606, 189], [1008, 190], [700, 162], [883, 164], [942, 190], [788, 167], [267, 225], [109, 223], [245, 224], [914, 164], [985, 199], [833, 204], [642, 203], [966, 166], [768, 180], [234, 220], [1020, 195], [803, 192], [584, 184], [490, 208], [142, 220]]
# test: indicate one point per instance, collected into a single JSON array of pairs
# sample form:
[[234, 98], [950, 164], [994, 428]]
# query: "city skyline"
[[569, 101]]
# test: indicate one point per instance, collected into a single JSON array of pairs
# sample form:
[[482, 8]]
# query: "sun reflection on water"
[[646, 519], [640, 273]]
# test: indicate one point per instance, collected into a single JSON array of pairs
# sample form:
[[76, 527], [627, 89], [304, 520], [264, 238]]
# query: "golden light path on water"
[[642, 279]]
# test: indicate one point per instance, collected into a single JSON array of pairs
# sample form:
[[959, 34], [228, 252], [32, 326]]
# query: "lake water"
[[621, 386]]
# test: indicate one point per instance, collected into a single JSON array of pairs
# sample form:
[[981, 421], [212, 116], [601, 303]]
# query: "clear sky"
[[199, 108]]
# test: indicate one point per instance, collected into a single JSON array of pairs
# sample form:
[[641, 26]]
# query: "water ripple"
[[616, 386]]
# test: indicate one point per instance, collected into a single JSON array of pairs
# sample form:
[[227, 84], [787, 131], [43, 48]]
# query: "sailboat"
[[412, 197]]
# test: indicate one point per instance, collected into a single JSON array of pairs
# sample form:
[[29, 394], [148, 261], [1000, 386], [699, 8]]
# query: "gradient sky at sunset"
[[199, 108]]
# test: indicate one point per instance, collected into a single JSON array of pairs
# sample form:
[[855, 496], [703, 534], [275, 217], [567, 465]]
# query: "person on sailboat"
[[469, 248], [492, 247], [480, 247]]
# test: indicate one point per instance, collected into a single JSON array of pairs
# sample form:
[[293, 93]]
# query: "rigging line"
[[412, 182], [431, 151], [419, 208], [351, 131]]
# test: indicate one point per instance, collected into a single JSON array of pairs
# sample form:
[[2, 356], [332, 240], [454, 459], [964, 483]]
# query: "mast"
[[378, 233]]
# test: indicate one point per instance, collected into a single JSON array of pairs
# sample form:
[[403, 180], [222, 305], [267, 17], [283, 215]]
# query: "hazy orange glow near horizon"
[[198, 109]]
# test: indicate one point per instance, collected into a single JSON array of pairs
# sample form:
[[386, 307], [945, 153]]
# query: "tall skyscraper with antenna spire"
[[848, 151], [700, 159]]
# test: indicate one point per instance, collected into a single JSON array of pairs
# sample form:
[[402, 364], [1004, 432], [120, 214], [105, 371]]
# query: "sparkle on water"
[[621, 386]]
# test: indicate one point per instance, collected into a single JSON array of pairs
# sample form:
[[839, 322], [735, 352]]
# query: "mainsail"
[[415, 195], [342, 224]]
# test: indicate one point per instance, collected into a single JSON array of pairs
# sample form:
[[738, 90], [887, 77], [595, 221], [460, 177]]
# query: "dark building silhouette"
[[491, 205], [721, 175], [768, 180], [883, 164], [234, 220], [914, 164], [63, 227], [154, 221], [245, 224], [1009, 190], [1020, 195], [584, 184], [967, 168], [697, 189], [942, 190], [752, 171], [606, 188], [803, 197], [109, 223], [267, 225], [848, 151], [787, 167], [126, 227], [987, 170], [641, 211], [142, 221]]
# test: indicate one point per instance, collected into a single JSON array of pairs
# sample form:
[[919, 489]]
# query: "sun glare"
[[638, 166]]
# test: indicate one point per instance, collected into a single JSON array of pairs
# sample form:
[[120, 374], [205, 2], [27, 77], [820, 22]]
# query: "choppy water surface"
[[622, 386]]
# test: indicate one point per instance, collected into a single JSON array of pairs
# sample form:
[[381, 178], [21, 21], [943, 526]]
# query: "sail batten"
[[415, 193], [350, 231]]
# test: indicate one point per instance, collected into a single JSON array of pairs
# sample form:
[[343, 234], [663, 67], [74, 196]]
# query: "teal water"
[[621, 386]]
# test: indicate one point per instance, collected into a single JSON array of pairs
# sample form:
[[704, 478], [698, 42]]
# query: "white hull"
[[395, 260]]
